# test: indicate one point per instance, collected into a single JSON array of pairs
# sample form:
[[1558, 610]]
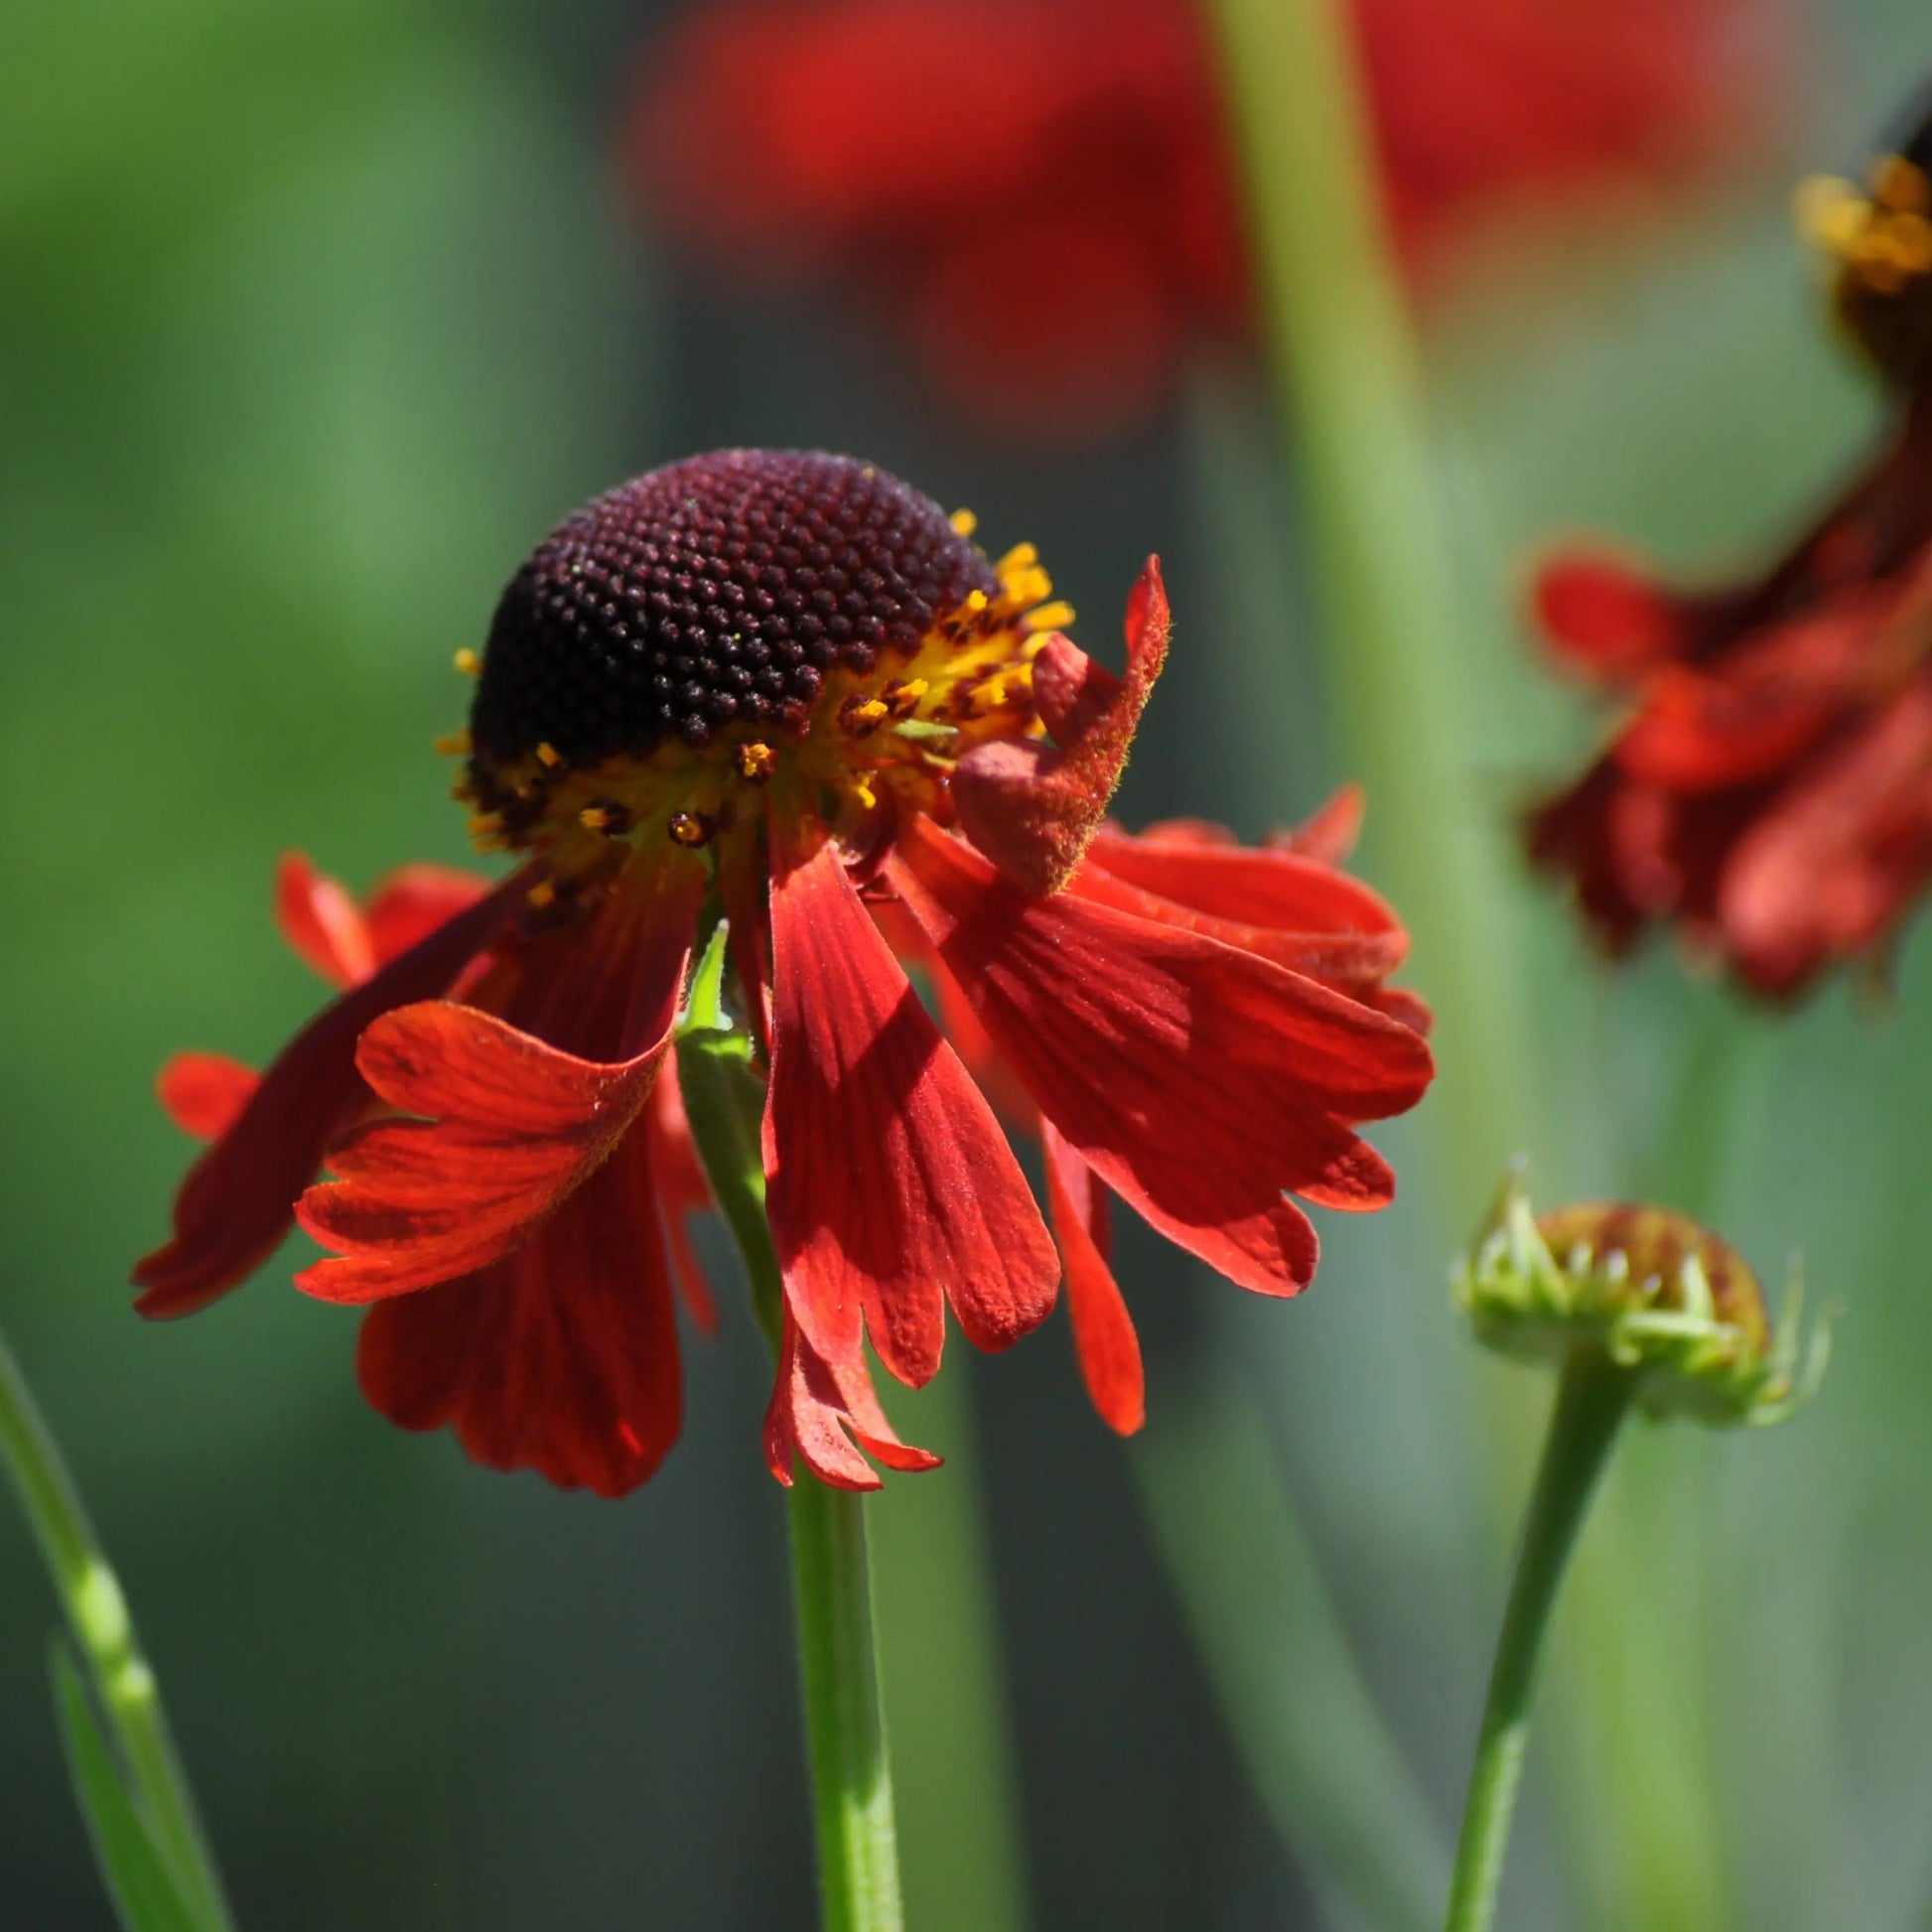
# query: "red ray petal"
[[1199, 1081], [320, 921], [413, 901], [1103, 1331], [1329, 833], [1602, 618], [889, 1185], [819, 1411], [1033, 809], [561, 1358], [205, 1093], [683, 1189], [512, 1128], [238, 1199]]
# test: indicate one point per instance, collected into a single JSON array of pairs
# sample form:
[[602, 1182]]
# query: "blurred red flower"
[[788, 687], [1770, 791], [1043, 187]]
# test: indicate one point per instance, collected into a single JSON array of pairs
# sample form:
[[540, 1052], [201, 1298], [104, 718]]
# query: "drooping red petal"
[[1199, 1081], [414, 901], [205, 1093], [322, 922], [1103, 1331], [509, 1129], [819, 1411], [1033, 809], [890, 1186], [238, 1199], [561, 1356]]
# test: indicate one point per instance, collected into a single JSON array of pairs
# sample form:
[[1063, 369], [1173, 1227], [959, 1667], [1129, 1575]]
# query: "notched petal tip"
[[1033, 808]]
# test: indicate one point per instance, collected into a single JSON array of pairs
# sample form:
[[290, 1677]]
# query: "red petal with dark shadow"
[[413, 901], [238, 1199], [1103, 1331], [1199, 1082], [889, 1185], [1602, 618], [683, 1190], [560, 1357], [510, 1129]]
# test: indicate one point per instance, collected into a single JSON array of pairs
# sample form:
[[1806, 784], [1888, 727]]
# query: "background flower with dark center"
[[790, 687], [1043, 190], [1770, 791]]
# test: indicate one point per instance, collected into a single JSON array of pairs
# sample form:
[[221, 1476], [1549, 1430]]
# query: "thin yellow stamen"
[[547, 754], [453, 744], [1050, 616], [965, 522]]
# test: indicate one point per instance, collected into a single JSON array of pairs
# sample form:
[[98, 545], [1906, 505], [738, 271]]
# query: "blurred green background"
[[311, 318]]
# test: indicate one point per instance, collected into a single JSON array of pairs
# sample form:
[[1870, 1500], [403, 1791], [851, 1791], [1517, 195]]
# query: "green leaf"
[[147, 1897]]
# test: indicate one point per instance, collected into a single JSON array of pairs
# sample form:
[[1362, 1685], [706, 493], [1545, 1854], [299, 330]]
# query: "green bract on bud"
[[1664, 1296]]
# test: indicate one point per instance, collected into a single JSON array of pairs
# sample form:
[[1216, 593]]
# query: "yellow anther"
[[547, 754], [1022, 556], [965, 522], [543, 894], [467, 662], [902, 696], [480, 822], [861, 715], [692, 828], [976, 602], [862, 791], [1050, 616], [594, 818], [756, 761], [453, 744]]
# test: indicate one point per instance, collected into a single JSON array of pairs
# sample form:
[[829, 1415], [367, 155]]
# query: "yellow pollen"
[[1022, 556], [467, 662], [453, 744], [976, 602], [594, 818], [862, 791], [547, 754], [756, 761], [965, 522], [862, 716], [902, 696], [1050, 616], [692, 828], [543, 894]]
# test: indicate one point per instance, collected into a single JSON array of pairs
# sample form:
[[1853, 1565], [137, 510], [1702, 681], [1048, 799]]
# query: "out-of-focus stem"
[[97, 1613]]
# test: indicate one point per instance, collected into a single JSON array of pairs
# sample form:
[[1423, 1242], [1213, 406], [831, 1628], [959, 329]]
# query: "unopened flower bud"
[[1661, 1295]]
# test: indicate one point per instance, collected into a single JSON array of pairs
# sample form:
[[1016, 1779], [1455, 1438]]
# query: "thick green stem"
[[838, 1650], [98, 1614], [1592, 1402]]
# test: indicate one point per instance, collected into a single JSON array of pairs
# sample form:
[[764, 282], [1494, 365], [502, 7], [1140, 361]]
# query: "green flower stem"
[[838, 1651], [98, 1614], [1591, 1401]]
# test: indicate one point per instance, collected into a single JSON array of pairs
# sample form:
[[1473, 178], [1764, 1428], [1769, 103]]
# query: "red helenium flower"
[[1056, 247], [790, 687], [1770, 789]]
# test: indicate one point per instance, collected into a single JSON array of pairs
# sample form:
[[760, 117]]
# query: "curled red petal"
[[1328, 833], [238, 1199], [413, 901], [320, 921], [1033, 809], [205, 1093], [889, 1185], [561, 1356], [512, 1128], [1109, 1351], [1201, 1084], [824, 1414]]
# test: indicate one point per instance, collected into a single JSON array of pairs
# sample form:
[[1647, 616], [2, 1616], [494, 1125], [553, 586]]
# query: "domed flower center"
[[740, 622]]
